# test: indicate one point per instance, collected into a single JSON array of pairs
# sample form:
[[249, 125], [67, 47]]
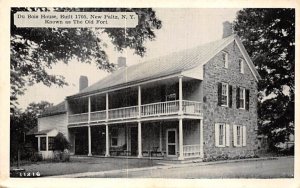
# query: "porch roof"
[[174, 63], [44, 132]]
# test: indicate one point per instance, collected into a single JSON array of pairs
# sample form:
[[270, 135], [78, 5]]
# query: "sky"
[[181, 29]]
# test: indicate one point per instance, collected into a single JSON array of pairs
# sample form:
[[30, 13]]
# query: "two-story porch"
[[161, 118]]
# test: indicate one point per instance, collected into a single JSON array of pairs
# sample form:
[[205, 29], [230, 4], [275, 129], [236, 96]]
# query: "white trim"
[[244, 135], [241, 67], [217, 135], [243, 51], [246, 57], [167, 143], [235, 143], [227, 88], [227, 134], [244, 97]]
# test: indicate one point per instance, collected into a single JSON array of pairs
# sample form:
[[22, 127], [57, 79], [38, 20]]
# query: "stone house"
[[197, 103]]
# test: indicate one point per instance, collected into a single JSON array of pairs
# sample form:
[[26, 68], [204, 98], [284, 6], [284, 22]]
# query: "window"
[[224, 101], [242, 98], [241, 66], [43, 143], [171, 97], [114, 137], [239, 135], [225, 59], [222, 134], [51, 143]]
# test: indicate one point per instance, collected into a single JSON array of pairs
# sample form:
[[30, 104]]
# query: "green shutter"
[[247, 98], [237, 97], [230, 96], [219, 94]]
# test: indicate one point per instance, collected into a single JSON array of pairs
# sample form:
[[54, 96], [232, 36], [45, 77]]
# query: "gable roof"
[[174, 63], [54, 110]]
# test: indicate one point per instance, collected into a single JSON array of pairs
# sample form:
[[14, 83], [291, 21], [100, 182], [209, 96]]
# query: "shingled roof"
[[174, 63], [54, 110]]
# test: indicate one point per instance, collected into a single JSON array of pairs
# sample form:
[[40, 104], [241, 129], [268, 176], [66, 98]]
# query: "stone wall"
[[214, 73]]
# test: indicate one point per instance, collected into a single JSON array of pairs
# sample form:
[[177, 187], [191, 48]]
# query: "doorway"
[[134, 140], [171, 142]]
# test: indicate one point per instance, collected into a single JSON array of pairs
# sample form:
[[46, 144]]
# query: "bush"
[[62, 146], [65, 156], [36, 157], [61, 143]]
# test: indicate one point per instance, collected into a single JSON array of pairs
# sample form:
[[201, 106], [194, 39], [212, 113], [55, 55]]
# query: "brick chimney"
[[83, 82], [121, 62], [227, 29]]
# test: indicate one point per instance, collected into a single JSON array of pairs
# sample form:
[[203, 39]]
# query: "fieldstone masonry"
[[214, 72]]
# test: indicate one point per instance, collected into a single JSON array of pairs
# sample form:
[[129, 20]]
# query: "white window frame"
[[225, 134], [243, 135], [241, 65], [242, 97], [225, 61], [227, 94]]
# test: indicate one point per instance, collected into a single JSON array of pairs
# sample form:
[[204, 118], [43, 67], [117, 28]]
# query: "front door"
[[171, 142], [133, 142]]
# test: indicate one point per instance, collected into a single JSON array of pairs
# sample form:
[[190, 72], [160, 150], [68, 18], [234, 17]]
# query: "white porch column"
[[139, 100], [201, 138], [89, 109], [46, 142], [107, 106], [90, 141], [39, 143], [180, 140], [107, 141], [139, 139], [180, 95]]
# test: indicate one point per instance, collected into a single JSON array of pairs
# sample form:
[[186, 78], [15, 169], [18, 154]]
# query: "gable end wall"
[[51, 122], [214, 73]]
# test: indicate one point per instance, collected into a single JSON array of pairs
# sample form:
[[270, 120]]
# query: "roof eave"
[[128, 84]]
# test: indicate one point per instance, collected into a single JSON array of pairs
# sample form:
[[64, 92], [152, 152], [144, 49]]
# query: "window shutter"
[[227, 133], [234, 136], [244, 135], [230, 96], [217, 135], [237, 97], [247, 98], [219, 94]]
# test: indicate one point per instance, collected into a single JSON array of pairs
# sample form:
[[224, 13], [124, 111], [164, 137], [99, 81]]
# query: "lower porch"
[[174, 139]]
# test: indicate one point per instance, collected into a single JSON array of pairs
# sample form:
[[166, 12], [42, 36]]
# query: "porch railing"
[[191, 151], [191, 107], [79, 118], [147, 110], [123, 113], [160, 108], [98, 115]]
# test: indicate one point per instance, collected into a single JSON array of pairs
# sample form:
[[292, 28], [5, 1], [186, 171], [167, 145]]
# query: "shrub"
[[36, 157], [61, 143], [65, 156]]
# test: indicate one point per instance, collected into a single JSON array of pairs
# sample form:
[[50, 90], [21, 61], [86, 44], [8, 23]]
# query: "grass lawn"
[[85, 164]]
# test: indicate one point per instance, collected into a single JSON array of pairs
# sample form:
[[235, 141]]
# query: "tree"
[[34, 50], [22, 122], [269, 37]]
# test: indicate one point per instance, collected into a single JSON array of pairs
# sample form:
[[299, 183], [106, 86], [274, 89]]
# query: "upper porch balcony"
[[169, 97]]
